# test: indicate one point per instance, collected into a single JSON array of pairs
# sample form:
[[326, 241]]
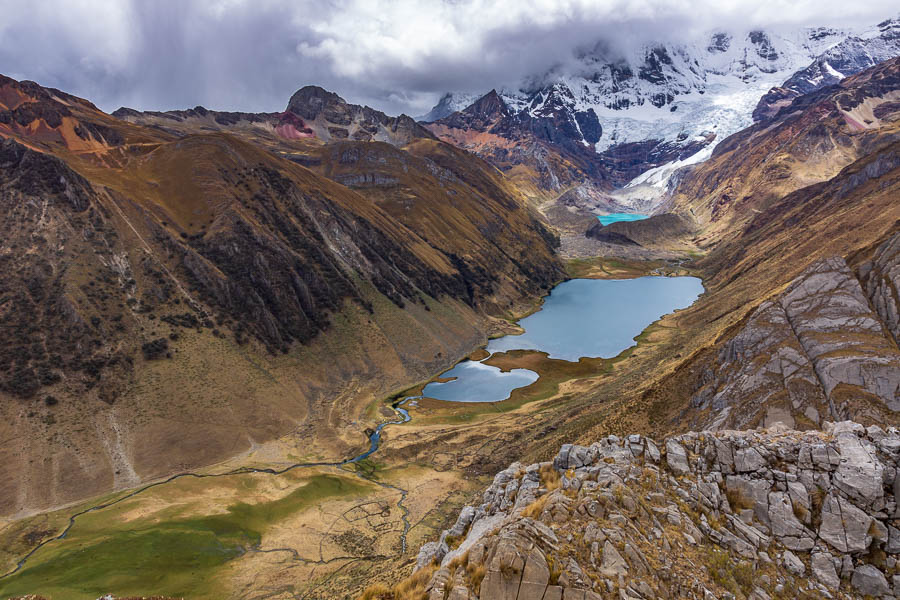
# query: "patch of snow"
[[659, 177], [832, 71]]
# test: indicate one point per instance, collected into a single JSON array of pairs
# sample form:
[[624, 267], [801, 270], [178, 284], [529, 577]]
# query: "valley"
[[605, 335], [256, 518]]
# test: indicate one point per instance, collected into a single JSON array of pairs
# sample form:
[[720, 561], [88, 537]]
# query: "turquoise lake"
[[596, 318], [616, 217]]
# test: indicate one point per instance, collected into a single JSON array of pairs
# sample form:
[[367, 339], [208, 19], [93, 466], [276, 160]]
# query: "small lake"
[[616, 217], [478, 382], [594, 318]]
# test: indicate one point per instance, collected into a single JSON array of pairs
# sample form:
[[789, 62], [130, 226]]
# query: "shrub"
[[155, 349]]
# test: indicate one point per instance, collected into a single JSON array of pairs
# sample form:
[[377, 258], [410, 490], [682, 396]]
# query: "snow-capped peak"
[[678, 93]]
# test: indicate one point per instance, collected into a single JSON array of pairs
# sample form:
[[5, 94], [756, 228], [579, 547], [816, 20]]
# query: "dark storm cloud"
[[397, 55]]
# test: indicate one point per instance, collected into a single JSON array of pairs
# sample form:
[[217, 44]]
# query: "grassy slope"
[[171, 554]]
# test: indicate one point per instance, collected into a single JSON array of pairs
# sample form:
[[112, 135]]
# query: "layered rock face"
[[818, 351], [755, 514], [881, 277]]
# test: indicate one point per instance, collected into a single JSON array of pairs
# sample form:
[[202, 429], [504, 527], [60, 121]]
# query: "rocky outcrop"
[[818, 351], [754, 514], [881, 277]]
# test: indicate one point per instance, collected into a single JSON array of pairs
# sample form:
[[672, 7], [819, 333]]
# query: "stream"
[[374, 444]]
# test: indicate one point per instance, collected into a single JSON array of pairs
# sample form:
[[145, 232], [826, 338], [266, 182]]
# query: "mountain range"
[[613, 118]]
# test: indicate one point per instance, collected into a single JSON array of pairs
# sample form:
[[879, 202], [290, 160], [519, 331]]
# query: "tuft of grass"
[[377, 591], [619, 493], [745, 575], [816, 500], [509, 571], [474, 577], [413, 587], [458, 562], [738, 500], [649, 479], [550, 477], [554, 568], [536, 508], [736, 577], [800, 511]]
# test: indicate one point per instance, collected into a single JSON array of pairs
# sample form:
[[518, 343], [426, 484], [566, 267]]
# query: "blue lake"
[[595, 318], [478, 382], [616, 217]]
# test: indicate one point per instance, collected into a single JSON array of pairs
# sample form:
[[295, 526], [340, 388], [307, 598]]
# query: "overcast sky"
[[398, 56]]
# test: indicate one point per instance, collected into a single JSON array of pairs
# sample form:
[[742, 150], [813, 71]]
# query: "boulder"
[[613, 564], [429, 552], [554, 592], [869, 581], [793, 563], [859, 474], [844, 526], [463, 521], [504, 572], [748, 460], [535, 576], [786, 528], [822, 566], [676, 457]]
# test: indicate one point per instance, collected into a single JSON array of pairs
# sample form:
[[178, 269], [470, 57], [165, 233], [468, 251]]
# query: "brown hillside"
[[168, 301]]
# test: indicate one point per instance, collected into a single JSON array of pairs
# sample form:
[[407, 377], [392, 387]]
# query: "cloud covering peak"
[[395, 55]]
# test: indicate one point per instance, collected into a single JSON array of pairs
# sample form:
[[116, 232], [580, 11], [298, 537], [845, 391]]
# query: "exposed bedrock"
[[881, 277], [824, 349], [755, 514]]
